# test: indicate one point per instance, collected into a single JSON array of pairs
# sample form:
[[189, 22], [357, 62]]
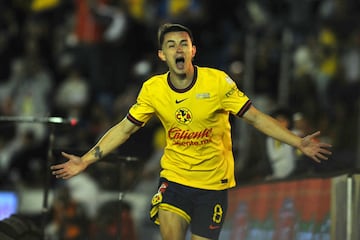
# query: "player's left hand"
[[314, 149]]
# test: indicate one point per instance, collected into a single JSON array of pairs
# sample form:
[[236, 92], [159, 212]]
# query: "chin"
[[178, 71], [181, 73]]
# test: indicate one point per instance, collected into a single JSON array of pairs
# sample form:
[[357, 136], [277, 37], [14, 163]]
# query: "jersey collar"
[[184, 89]]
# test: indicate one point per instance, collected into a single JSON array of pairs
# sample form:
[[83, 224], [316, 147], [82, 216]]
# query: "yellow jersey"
[[198, 151]]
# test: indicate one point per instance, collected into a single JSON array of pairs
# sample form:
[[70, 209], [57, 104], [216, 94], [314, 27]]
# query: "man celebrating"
[[193, 104]]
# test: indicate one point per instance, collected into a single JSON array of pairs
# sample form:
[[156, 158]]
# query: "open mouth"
[[180, 62]]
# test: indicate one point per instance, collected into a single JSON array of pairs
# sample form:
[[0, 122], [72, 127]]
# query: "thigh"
[[171, 197], [171, 208], [209, 214], [172, 225]]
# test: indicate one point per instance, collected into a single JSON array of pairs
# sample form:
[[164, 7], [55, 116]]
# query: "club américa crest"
[[183, 116]]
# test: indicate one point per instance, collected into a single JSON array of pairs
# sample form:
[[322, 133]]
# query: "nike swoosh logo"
[[179, 101], [212, 227]]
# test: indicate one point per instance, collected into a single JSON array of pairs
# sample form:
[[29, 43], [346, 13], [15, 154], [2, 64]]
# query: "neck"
[[181, 81]]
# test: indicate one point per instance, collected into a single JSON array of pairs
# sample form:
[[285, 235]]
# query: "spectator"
[[27, 95], [69, 221], [72, 95], [282, 156]]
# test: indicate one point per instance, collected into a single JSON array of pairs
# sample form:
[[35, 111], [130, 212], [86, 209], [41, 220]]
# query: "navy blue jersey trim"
[[187, 88], [134, 120], [244, 109]]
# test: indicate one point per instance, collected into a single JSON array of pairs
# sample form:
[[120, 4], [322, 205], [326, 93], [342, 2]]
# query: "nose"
[[179, 48]]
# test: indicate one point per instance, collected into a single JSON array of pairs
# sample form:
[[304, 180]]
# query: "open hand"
[[72, 167], [314, 149]]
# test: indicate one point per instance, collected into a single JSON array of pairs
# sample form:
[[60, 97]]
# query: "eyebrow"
[[173, 41]]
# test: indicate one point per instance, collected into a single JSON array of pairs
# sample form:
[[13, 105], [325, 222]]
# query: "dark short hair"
[[172, 27]]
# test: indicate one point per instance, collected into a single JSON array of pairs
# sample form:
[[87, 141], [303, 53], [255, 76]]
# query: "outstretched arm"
[[112, 139], [266, 124]]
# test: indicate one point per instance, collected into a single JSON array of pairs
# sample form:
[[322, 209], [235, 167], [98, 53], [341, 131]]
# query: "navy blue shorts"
[[204, 210]]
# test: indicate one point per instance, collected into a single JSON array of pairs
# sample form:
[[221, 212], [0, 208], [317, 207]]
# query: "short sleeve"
[[232, 99], [143, 109]]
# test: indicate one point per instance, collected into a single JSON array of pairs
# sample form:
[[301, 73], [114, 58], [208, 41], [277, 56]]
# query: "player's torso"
[[193, 116], [197, 128]]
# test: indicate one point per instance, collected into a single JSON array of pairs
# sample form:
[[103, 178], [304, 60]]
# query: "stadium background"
[[87, 59]]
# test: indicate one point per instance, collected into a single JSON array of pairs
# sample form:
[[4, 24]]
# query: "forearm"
[[112, 139], [269, 126], [272, 128]]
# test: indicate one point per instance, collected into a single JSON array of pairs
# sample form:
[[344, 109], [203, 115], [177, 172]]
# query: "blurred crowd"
[[87, 59]]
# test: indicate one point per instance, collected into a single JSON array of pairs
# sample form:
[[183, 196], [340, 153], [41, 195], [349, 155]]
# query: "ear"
[[193, 52], [161, 55]]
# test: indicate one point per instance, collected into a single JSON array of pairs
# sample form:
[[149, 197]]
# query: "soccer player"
[[193, 104]]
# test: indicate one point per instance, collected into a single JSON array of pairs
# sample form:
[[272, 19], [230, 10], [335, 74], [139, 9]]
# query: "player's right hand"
[[70, 168]]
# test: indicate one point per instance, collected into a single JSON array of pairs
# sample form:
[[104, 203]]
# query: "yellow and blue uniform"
[[198, 150]]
